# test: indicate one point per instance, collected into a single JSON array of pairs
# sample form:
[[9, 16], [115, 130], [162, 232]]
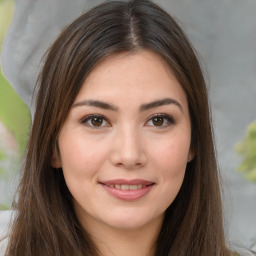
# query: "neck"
[[115, 242]]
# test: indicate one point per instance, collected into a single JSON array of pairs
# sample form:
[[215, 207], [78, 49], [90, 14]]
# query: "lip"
[[128, 195], [127, 182]]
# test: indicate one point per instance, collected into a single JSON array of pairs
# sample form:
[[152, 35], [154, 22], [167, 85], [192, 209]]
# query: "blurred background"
[[14, 122], [223, 33]]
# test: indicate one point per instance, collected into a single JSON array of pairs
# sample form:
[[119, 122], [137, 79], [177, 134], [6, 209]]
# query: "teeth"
[[133, 187], [140, 186], [127, 187]]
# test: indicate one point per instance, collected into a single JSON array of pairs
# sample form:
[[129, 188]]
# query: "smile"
[[128, 190], [127, 187]]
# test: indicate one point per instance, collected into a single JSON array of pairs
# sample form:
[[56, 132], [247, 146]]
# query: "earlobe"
[[191, 155], [55, 161]]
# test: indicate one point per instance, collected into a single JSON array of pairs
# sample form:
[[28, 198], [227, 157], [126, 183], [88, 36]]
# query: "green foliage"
[[4, 207], [14, 114], [247, 149], [1, 171], [6, 12], [2, 155]]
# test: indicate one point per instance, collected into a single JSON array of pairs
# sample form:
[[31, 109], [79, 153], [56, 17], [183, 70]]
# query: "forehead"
[[140, 76]]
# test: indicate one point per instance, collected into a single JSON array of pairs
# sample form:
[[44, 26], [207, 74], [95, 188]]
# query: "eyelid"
[[168, 117], [85, 119]]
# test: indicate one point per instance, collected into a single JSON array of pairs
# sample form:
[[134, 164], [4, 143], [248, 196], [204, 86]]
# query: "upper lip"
[[127, 182]]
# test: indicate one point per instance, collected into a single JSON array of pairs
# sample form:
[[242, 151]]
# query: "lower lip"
[[128, 195]]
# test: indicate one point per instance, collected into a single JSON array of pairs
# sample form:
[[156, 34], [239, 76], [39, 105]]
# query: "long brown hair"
[[46, 223]]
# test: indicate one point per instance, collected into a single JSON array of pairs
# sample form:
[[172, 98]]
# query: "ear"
[[191, 154], [56, 161]]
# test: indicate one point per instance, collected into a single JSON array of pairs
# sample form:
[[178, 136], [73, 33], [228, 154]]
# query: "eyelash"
[[167, 119], [88, 118]]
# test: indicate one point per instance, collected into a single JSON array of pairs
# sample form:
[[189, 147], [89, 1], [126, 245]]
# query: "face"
[[125, 143]]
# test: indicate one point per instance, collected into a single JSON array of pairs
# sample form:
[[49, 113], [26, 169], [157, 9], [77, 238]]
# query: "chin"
[[133, 221]]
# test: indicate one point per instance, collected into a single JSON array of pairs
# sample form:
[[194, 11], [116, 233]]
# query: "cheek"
[[170, 159], [81, 157], [173, 165], [172, 155]]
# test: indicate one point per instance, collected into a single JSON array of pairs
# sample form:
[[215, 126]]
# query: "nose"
[[128, 149]]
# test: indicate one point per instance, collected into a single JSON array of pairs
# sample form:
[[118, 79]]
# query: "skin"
[[126, 143]]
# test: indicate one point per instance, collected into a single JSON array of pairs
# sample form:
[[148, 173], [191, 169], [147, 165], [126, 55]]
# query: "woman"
[[120, 159]]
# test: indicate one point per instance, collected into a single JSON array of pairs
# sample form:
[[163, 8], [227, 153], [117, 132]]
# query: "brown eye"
[[97, 121], [158, 121], [161, 121]]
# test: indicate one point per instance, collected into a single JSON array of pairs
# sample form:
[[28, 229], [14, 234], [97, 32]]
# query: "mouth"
[[128, 189]]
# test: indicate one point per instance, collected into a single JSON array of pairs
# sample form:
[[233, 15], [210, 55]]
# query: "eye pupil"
[[158, 121], [97, 121]]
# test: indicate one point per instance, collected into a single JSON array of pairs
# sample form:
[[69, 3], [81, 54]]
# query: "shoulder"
[[5, 219], [3, 246]]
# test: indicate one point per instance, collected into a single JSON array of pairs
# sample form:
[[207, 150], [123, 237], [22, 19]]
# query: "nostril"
[[128, 154]]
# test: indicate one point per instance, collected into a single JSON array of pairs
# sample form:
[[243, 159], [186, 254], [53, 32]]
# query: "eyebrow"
[[97, 104], [159, 103], [143, 107]]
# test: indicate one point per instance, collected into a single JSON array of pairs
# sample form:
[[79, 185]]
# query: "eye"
[[160, 120], [95, 121]]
